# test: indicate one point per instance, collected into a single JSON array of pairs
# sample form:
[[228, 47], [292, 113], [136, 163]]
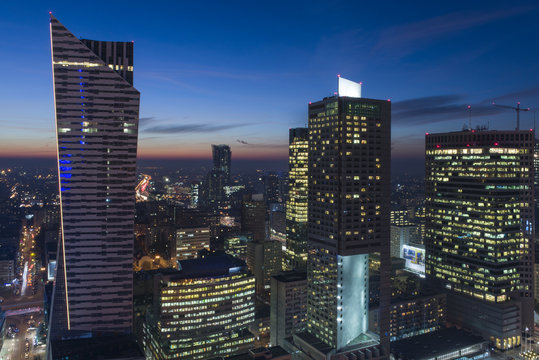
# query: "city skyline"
[[205, 79], [171, 226]]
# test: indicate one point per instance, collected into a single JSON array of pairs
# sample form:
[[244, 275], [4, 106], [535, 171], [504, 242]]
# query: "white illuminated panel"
[[353, 284], [349, 88], [415, 258]]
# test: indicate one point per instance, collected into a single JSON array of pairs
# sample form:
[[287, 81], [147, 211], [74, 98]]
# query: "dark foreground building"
[[96, 346]]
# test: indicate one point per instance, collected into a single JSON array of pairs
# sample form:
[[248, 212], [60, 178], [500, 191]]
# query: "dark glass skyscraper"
[[348, 219], [221, 160], [97, 113], [480, 229]]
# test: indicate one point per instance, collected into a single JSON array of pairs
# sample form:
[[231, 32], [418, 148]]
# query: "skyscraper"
[[97, 113], [296, 207], [479, 229], [213, 194], [348, 219], [221, 160], [253, 216]]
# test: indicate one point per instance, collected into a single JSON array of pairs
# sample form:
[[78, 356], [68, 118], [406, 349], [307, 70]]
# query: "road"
[[20, 309]]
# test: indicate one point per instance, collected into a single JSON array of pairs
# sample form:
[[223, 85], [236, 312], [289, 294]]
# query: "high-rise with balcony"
[[296, 207], [480, 229], [348, 219], [97, 113]]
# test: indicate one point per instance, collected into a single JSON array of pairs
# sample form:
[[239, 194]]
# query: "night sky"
[[225, 72]]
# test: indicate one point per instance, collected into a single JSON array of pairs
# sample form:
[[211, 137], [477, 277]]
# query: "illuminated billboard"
[[415, 258], [51, 271], [349, 88]]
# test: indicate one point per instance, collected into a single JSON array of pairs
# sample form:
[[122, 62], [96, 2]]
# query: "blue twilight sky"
[[223, 71]]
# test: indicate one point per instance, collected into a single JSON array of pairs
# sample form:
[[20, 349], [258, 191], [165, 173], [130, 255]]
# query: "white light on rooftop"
[[349, 88]]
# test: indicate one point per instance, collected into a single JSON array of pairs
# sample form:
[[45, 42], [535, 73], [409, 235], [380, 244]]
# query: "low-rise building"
[[190, 241]]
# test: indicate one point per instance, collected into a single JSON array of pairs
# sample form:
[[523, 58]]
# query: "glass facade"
[[480, 214], [201, 316], [97, 113], [296, 207]]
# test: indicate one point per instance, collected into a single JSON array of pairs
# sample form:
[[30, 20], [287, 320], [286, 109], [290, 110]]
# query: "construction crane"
[[469, 109], [518, 109]]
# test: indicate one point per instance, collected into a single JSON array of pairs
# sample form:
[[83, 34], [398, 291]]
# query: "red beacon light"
[[438, 146], [468, 145], [426, 133], [389, 100], [496, 144], [338, 75]]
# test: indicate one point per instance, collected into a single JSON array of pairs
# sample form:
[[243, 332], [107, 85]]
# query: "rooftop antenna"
[[518, 109], [534, 111], [469, 116]]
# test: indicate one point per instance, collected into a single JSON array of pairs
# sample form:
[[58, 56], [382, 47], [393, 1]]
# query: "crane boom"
[[518, 109]]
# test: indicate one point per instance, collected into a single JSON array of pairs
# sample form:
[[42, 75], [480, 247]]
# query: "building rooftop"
[[434, 344], [274, 352], [291, 276], [213, 264]]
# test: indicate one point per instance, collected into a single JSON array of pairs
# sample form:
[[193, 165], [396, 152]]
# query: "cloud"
[[190, 128], [145, 120], [517, 95], [404, 39], [432, 109]]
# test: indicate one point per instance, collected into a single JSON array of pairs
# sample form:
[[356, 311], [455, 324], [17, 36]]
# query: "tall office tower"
[[348, 219], [221, 160], [201, 311], [296, 207], [97, 112], [273, 188], [479, 229], [536, 181], [253, 216], [214, 196]]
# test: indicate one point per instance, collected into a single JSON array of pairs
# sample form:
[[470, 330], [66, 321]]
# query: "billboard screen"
[[415, 258]]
